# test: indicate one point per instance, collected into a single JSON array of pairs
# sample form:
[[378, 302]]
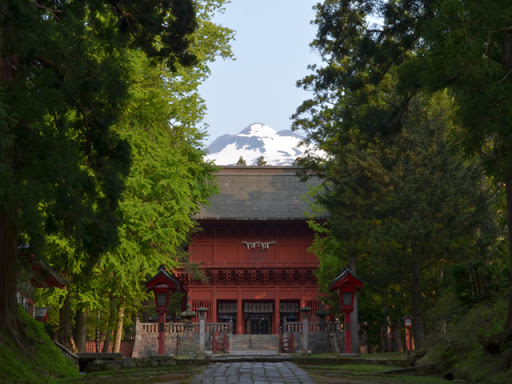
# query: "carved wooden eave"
[[252, 276]]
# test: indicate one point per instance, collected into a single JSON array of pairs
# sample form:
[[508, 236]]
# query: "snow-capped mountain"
[[277, 148]]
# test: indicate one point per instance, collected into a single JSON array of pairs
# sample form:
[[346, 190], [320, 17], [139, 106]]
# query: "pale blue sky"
[[272, 52]]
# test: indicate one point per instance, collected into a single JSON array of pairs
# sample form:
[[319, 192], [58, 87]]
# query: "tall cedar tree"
[[63, 83], [465, 46], [401, 209]]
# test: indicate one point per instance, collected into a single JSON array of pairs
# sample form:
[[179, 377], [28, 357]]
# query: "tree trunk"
[[119, 330], [110, 326], [508, 321], [397, 338], [417, 300], [80, 331], [354, 327], [389, 335], [354, 316], [382, 345], [66, 325], [9, 322], [8, 259]]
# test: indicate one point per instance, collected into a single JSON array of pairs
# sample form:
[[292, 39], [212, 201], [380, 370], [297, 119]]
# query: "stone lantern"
[[322, 316], [322, 345], [187, 317], [189, 344]]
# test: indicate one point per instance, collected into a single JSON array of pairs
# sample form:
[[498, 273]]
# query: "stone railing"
[[296, 326], [178, 337], [314, 337], [179, 328]]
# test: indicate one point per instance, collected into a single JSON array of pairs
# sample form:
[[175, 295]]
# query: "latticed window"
[[315, 306], [202, 303]]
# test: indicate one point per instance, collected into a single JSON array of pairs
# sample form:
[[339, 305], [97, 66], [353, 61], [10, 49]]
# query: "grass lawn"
[[362, 373]]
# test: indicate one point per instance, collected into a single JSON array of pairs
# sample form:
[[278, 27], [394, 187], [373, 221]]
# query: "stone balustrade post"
[[201, 336], [305, 336], [305, 315]]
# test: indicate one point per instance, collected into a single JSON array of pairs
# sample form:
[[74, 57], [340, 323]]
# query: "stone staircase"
[[254, 344]]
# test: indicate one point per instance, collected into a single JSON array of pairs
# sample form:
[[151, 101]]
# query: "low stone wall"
[[110, 365], [85, 358], [180, 340], [184, 343], [319, 342], [147, 345]]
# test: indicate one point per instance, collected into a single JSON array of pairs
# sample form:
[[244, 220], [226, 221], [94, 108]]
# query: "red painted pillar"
[[214, 307], [276, 315], [161, 334], [348, 335], [239, 313], [408, 339]]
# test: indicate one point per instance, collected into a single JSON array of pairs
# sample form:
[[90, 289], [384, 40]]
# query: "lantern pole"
[[408, 325], [348, 333], [161, 333], [161, 284], [347, 284]]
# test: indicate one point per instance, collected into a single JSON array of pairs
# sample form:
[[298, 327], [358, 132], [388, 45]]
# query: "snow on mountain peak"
[[277, 148], [258, 129]]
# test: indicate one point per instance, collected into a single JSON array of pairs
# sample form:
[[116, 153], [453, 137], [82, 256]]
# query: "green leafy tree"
[[382, 186], [401, 210], [468, 49], [167, 182], [430, 46], [63, 81]]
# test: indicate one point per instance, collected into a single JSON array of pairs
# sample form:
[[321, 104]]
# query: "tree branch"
[[505, 77], [52, 11]]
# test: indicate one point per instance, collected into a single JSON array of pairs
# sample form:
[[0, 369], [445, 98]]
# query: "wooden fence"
[[126, 347]]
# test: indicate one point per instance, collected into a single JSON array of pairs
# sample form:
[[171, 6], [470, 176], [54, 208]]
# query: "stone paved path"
[[253, 373]]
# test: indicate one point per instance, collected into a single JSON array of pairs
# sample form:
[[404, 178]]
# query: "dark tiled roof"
[[259, 193]]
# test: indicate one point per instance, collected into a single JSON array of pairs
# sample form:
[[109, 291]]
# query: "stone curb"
[[100, 365]]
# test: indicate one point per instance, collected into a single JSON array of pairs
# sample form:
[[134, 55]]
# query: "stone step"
[[255, 343]]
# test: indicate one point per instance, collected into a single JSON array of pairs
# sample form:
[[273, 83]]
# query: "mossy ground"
[[460, 348], [369, 369], [40, 362], [174, 374]]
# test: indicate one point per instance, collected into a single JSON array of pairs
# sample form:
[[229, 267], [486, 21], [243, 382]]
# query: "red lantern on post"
[[408, 325], [347, 284], [162, 284]]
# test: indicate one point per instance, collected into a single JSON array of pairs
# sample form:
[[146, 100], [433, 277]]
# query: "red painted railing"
[[286, 342], [220, 343]]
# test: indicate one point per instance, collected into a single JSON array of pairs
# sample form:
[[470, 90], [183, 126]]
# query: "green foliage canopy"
[[167, 182], [63, 83], [359, 109]]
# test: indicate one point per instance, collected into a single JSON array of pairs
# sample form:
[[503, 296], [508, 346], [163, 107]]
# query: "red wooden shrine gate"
[[253, 250]]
